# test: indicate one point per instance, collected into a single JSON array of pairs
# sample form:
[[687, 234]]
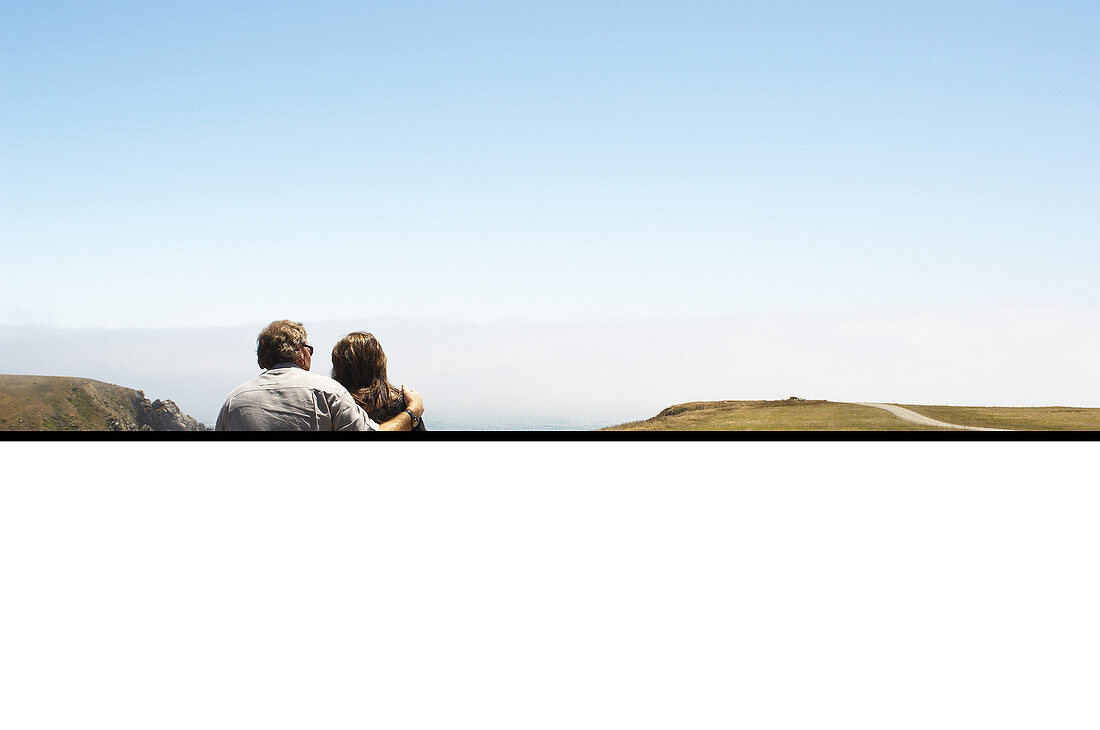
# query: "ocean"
[[511, 423]]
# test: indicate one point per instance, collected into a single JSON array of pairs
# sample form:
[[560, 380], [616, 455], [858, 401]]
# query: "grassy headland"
[[820, 415], [47, 403], [51, 403]]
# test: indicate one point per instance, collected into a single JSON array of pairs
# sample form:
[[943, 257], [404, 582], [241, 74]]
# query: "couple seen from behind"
[[286, 396]]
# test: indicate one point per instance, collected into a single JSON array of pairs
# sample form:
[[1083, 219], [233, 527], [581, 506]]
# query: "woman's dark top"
[[393, 409]]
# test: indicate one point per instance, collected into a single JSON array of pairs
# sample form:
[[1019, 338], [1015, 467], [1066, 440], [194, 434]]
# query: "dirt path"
[[915, 417]]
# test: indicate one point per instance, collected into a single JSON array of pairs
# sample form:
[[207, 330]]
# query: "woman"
[[359, 365]]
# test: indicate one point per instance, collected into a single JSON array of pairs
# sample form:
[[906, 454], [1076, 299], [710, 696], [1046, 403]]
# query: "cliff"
[[50, 403]]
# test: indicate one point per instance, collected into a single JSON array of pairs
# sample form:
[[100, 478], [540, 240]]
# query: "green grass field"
[[820, 415]]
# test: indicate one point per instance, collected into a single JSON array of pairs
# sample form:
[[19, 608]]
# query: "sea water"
[[510, 423]]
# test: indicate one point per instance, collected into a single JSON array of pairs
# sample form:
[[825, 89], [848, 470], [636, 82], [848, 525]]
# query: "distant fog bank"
[[586, 374]]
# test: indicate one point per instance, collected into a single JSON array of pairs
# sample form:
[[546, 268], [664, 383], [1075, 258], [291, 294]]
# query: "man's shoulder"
[[322, 383], [246, 386], [293, 377]]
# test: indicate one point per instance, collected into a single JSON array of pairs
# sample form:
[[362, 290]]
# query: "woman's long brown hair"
[[359, 365]]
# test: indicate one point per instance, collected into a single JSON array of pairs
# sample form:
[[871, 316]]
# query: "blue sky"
[[197, 164]]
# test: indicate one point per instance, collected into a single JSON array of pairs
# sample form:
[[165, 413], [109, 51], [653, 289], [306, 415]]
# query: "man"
[[287, 397]]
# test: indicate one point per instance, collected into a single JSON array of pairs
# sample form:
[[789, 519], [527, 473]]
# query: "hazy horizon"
[[601, 373]]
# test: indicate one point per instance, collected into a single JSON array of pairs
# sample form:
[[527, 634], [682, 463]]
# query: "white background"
[[552, 585]]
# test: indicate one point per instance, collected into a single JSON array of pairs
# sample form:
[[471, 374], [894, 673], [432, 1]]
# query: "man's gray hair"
[[279, 342]]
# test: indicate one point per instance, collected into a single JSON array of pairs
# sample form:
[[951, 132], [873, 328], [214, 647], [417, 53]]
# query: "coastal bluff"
[[53, 403], [801, 414]]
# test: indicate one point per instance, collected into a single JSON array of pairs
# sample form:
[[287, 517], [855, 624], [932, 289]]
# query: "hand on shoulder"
[[413, 401]]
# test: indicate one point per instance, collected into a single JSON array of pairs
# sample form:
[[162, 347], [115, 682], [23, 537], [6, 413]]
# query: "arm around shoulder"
[[403, 421], [348, 416]]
